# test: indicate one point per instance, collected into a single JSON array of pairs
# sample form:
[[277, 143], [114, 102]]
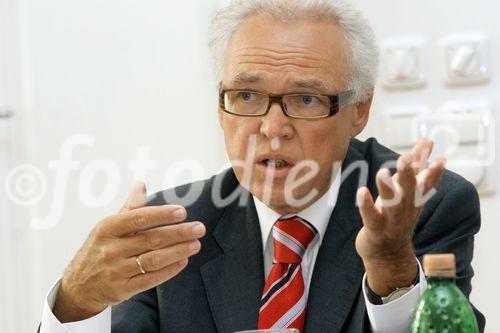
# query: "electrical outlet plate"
[[402, 63], [466, 59]]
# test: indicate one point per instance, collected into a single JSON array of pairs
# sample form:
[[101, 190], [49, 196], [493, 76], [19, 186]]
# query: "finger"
[[427, 182], [420, 154], [369, 214], [389, 194], [157, 260], [142, 218], [143, 282], [161, 237], [406, 177], [431, 177], [137, 196]]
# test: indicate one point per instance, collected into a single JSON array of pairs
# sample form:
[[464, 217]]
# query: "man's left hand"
[[385, 241]]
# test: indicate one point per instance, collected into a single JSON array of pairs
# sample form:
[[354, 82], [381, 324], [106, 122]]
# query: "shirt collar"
[[318, 214]]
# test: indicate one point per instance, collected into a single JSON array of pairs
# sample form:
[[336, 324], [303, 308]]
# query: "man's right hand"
[[105, 272]]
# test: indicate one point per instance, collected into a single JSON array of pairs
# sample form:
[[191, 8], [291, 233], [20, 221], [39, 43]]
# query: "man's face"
[[308, 57]]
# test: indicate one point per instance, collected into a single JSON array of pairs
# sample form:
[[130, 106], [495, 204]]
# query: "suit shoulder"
[[374, 152], [453, 182], [458, 193], [452, 212], [175, 195], [193, 193], [200, 197]]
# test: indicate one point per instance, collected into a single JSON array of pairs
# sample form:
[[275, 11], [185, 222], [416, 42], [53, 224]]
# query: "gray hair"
[[361, 46]]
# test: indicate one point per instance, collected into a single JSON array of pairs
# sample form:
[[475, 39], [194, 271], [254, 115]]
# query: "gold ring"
[[138, 261]]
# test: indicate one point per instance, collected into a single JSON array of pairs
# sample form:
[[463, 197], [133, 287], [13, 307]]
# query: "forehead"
[[267, 52]]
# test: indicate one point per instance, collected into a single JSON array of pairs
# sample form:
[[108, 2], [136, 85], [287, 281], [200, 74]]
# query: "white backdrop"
[[136, 74]]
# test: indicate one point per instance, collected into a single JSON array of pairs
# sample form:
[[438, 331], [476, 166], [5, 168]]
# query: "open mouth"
[[278, 167], [275, 163]]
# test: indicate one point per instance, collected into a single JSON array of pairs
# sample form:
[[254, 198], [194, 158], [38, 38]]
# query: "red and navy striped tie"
[[283, 303]]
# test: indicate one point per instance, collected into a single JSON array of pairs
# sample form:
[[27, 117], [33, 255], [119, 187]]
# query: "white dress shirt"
[[392, 317]]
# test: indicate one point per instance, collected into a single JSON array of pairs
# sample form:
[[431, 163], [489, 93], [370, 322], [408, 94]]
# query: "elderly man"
[[310, 228]]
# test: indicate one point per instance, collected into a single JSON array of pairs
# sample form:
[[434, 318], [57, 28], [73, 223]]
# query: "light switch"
[[466, 59], [402, 63]]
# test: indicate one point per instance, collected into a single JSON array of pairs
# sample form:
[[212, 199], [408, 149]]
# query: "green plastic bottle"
[[443, 308]]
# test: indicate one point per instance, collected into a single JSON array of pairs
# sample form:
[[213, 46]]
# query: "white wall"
[[131, 74], [134, 74], [16, 242]]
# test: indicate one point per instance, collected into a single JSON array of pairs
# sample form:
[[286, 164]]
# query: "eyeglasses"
[[301, 106]]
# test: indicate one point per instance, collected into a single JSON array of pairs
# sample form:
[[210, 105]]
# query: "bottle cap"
[[440, 265]]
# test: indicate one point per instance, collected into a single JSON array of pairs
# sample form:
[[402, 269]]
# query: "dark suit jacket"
[[220, 289]]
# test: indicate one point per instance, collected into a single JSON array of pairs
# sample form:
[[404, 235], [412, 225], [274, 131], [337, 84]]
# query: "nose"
[[275, 124]]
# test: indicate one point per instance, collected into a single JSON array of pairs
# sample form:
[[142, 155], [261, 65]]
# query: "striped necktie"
[[283, 303]]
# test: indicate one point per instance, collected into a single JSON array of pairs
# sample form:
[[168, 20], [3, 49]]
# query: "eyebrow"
[[316, 84], [243, 78]]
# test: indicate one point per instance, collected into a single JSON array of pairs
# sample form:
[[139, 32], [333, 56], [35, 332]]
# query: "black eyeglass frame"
[[337, 102]]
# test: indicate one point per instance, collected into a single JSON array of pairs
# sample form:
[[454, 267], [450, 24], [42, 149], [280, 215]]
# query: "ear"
[[360, 117]]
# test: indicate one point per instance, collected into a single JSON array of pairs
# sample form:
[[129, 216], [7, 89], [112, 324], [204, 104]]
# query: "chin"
[[277, 200]]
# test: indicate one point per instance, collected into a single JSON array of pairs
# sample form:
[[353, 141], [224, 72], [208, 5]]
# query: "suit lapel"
[[234, 280], [338, 270]]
